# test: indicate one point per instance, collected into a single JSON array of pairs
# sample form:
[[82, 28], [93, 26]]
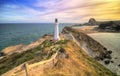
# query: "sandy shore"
[[111, 42], [87, 29], [108, 40], [21, 47]]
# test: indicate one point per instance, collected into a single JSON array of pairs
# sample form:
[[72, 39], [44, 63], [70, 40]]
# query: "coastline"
[[113, 62], [81, 44], [21, 47], [65, 58]]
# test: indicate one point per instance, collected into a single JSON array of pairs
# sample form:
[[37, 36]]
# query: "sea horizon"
[[12, 34]]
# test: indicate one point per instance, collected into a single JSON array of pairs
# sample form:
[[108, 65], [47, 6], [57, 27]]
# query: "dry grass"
[[11, 49], [78, 64]]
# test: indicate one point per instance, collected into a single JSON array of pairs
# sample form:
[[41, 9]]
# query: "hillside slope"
[[62, 58]]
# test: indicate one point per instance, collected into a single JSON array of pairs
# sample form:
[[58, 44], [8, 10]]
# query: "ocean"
[[24, 33]]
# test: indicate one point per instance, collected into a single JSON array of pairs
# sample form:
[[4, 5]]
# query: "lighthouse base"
[[56, 32]]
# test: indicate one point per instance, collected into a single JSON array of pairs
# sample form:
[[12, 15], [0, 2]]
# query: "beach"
[[110, 41]]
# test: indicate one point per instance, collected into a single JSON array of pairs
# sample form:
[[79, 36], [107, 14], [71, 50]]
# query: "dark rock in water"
[[112, 61], [107, 61]]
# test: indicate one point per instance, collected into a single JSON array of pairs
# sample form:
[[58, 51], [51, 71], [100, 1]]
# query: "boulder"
[[107, 62], [108, 56], [112, 61], [109, 52], [119, 65]]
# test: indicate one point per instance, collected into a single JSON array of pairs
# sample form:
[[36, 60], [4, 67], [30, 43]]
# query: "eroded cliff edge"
[[93, 48]]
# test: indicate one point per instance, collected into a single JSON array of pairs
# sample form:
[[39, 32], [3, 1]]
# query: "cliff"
[[53, 58], [56, 58], [93, 48], [62, 58]]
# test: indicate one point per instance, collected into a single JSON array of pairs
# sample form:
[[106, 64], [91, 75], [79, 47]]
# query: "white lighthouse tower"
[[56, 31]]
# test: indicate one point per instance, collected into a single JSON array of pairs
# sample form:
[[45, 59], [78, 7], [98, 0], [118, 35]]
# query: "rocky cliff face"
[[92, 47]]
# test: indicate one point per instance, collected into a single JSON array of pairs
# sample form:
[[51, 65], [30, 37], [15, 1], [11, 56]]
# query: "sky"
[[67, 11]]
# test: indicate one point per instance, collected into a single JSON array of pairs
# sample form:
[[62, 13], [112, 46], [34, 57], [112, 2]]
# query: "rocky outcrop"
[[92, 21]]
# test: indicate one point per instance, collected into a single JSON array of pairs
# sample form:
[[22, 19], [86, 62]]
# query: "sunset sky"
[[68, 11]]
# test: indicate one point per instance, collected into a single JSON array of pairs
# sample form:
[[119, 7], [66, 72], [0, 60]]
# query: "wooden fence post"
[[26, 68]]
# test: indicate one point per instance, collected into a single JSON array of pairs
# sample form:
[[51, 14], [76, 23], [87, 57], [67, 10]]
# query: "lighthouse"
[[56, 31]]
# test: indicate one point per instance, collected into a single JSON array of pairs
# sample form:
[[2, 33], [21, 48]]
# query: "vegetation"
[[62, 42], [111, 25], [33, 55], [77, 64]]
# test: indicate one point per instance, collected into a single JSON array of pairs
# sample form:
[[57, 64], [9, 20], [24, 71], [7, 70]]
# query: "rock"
[[92, 21], [109, 52], [107, 62], [105, 48], [1, 54], [108, 56], [62, 54], [62, 50], [97, 58], [112, 61], [116, 58], [101, 57], [119, 65]]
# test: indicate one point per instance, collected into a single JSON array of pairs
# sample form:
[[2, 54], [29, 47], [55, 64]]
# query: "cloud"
[[66, 11]]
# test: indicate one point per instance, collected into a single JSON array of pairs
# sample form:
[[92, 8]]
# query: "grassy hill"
[[77, 62]]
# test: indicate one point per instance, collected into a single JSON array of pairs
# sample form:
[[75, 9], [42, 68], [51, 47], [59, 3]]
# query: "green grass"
[[62, 42], [33, 55]]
